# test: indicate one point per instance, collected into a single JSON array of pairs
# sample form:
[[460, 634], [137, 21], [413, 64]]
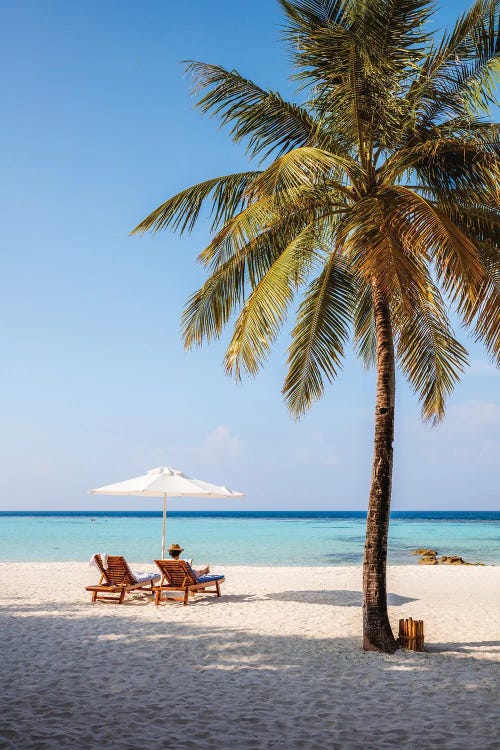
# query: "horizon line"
[[247, 510]]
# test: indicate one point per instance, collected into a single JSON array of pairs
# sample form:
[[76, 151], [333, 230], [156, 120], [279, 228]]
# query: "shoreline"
[[276, 662], [411, 565]]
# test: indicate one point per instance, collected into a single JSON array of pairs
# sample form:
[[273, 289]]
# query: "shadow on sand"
[[74, 680], [341, 598]]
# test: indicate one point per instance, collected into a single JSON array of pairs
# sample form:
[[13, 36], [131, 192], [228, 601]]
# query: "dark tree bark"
[[377, 633]]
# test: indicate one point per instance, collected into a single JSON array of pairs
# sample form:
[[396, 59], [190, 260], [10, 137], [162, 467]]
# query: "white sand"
[[275, 663]]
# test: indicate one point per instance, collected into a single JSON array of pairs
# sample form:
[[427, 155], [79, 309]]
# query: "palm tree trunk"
[[377, 633]]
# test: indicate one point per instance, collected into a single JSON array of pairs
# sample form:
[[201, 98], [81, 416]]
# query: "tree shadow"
[[73, 679], [226, 599], [471, 647], [339, 598]]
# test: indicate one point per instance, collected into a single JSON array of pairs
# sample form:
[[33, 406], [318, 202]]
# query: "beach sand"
[[275, 663]]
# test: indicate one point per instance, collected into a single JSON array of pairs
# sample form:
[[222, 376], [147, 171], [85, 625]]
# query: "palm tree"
[[377, 199]]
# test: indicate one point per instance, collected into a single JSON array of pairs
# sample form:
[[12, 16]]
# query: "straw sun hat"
[[175, 548]]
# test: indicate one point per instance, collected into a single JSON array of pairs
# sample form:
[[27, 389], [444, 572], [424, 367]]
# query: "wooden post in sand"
[[411, 634]]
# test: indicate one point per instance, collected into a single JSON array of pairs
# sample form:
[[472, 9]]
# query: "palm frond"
[[473, 156], [263, 118], [460, 74], [300, 206], [209, 309], [265, 309], [309, 15], [482, 314], [365, 336], [238, 231], [430, 356], [373, 239], [432, 235], [181, 212], [462, 41], [306, 166], [319, 335]]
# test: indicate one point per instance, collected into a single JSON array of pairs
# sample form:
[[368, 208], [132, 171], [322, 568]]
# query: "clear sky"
[[97, 129]]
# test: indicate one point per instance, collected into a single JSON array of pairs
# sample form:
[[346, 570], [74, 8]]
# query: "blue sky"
[[97, 129]]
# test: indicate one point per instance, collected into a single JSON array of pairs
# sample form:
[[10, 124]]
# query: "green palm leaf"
[[319, 335], [262, 117], [365, 336], [430, 356], [265, 310], [181, 212]]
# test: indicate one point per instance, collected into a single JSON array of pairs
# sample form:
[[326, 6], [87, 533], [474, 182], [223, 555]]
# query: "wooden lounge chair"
[[178, 575], [118, 579]]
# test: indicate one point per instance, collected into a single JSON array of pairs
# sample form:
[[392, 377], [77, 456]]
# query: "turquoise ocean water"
[[245, 538]]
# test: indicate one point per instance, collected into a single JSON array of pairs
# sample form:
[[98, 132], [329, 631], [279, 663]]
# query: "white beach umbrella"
[[165, 482]]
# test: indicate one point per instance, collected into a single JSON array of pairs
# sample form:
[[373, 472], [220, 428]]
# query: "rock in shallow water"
[[452, 560], [426, 552], [429, 557]]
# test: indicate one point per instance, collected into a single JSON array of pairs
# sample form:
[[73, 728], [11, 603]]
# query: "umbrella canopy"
[[165, 481]]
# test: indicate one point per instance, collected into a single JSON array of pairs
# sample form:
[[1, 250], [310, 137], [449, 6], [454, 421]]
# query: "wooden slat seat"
[[118, 579], [178, 575]]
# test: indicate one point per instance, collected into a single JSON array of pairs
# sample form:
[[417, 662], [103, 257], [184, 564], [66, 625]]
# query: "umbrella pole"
[[164, 525]]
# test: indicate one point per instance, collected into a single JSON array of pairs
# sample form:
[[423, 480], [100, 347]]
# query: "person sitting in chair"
[[175, 550]]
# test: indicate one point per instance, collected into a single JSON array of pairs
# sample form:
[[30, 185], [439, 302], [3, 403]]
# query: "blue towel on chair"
[[208, 579]]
